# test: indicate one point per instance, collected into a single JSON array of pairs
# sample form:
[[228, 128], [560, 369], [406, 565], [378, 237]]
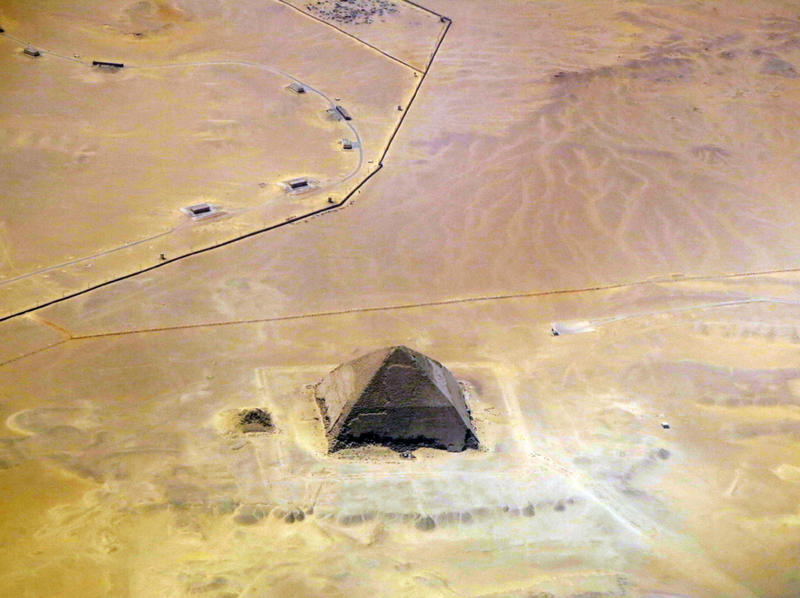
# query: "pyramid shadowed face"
[[398, 398]]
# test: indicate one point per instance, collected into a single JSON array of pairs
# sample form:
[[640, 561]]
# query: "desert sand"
[[622, 171], [200, 113]]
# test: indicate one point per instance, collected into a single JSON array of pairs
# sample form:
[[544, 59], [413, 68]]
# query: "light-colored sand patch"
[[406, 32], [576, 479]]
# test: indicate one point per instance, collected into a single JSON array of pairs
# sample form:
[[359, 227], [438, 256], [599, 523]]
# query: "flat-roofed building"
[[299, 183], [107, 65], [201, 210], [340, 113]]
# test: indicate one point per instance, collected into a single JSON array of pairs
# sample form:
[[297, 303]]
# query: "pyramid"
[[396, 397]]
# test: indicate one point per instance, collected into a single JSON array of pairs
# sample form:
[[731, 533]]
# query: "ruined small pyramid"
[[395, 397]]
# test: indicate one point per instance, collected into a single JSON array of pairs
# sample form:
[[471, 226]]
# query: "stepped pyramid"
[[396, 397]]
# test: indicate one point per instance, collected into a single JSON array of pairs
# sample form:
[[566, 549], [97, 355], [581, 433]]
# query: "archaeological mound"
[[398, 398]]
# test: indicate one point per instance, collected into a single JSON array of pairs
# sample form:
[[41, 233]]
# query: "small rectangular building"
[[300, 183], [108, 65], [343, 113], [297, 88], [31, 51], [200, 210], [347, 144]]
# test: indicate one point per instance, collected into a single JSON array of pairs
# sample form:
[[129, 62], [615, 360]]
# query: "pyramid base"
[[402, 445]]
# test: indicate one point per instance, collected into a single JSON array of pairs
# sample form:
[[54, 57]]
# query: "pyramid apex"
[[402, 349]]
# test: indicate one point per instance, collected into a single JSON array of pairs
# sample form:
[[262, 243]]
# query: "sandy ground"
[[110, 170], [200, 114], [630, 165], [507, 178], [577, 487], [404, 31]]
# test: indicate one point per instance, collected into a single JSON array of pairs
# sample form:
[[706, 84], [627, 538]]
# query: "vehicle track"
[[488, 298], [334, 206], [330, 104]]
